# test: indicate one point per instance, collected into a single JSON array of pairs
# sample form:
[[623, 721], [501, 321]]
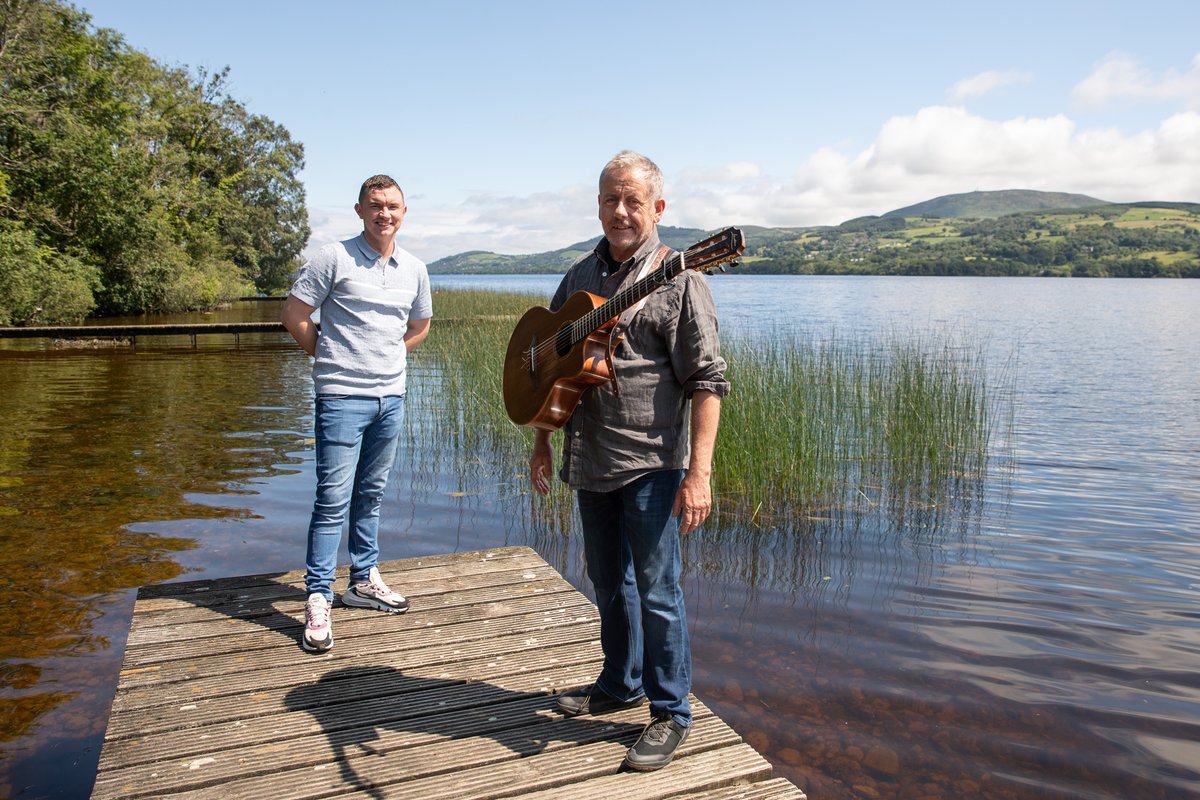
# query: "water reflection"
[[1032, 634], [94, 443]]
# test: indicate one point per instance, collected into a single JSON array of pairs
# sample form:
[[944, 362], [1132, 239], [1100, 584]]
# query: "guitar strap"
[[618, 331]]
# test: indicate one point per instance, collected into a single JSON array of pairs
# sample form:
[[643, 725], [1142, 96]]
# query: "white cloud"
[[331, 225], [498, 223], [732, 173], [986, 82], [937, 150], [1120, 78], [946, 150]]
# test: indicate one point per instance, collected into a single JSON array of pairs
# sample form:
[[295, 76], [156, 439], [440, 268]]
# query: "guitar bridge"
[[533, 358]]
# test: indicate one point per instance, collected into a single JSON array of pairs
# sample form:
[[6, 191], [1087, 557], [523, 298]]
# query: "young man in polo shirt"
[[375, 306]]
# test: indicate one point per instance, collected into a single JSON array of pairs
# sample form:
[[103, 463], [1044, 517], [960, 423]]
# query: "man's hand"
[[296, 316], [693, 502], [541, 461]]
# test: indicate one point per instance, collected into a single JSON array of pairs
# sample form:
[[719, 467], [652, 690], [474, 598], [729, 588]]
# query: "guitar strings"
[[593, 320]]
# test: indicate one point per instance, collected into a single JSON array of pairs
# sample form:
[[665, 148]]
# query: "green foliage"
[[39, 285], [1137, 240], [873, 225], [144, 188]]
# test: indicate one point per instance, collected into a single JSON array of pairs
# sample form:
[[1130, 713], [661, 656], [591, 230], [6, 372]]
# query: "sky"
[[496, 116]]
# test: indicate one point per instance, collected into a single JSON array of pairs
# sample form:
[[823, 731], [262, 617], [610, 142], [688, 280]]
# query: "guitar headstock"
[[715, 252]]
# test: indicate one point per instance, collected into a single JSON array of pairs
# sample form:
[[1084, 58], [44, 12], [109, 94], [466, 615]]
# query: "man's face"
[[382, 211], [627, 214]]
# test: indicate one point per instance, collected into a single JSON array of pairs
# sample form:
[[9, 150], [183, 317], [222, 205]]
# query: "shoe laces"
[[318, 611], [375, 583], [657, 731]]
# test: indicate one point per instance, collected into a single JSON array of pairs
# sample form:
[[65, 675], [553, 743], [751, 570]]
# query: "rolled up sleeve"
[[696, 351]]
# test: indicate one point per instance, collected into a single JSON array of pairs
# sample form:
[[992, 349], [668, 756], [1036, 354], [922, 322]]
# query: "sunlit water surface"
[[1040, 641]]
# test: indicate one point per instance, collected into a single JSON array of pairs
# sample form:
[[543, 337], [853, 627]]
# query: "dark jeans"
[[631, 544]]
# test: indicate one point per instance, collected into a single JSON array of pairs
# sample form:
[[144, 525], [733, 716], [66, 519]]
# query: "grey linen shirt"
[[670, 350]]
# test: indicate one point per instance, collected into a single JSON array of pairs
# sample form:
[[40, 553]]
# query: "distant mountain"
[[978, 233], [476, 262], [989, 205]]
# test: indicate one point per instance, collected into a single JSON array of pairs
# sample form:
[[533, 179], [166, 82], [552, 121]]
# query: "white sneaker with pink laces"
[[318, 624], [374, 593]]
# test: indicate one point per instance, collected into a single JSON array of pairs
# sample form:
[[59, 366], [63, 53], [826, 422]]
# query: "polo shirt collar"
[[370, 252]]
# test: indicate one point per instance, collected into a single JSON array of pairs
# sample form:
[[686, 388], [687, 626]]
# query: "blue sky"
[[496, 117]]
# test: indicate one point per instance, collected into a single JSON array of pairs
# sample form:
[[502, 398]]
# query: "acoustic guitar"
[[554, 356]]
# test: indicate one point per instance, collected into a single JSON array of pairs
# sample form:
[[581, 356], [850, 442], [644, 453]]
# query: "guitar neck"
[[546, 370], [596, 318], [703, 256]]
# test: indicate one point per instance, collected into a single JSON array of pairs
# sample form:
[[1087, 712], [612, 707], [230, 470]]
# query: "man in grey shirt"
[[640, 460], [375, 305]]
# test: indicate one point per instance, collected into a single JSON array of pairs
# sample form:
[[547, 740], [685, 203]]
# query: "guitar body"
[[555, 356], [544, 374]]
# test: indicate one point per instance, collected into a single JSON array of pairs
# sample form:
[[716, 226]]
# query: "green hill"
[[1108, 240], [953, 235], [989, 205], [477, 262]]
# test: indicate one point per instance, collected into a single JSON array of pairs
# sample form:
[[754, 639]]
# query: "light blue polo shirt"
[[365, 302]]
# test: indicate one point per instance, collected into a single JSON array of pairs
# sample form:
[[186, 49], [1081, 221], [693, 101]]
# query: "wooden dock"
[[192, 329], [452, 700]]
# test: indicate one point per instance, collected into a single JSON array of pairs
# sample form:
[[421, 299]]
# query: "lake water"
[[1040, 641]]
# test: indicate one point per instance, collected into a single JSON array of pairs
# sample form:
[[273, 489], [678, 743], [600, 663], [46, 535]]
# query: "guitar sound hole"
[[562, 341]]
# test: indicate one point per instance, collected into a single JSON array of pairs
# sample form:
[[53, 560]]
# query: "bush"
[[39, 286]]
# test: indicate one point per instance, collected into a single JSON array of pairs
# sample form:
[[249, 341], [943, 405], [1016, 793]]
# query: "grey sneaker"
[[656, 746], [374, 593], [318, 624], [592, 700]]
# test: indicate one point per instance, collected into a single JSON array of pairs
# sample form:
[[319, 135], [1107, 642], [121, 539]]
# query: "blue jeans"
[[356, 444], [631, 546]]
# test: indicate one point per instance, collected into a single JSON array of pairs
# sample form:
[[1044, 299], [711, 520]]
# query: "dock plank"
[[216, 698]]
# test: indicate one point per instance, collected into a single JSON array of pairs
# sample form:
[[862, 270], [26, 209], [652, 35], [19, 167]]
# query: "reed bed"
[[813, 429], [456, 405], [820, 428]]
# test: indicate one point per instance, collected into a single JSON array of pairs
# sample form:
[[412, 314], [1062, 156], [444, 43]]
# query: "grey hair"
[[646, 169]]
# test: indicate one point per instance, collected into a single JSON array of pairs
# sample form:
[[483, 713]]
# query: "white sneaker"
[[374, 593], [318, 624]]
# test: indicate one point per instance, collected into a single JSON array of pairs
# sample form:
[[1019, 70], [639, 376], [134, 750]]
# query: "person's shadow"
[[400, 703], [395, 733]]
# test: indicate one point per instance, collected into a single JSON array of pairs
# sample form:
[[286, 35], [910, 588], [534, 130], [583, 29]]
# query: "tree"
[[130, 187]]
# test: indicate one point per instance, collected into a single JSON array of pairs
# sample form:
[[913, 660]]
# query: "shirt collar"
[[370, 252]]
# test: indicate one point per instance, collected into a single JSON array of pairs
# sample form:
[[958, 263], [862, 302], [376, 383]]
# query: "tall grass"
[[816, 428], [456, 404]]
